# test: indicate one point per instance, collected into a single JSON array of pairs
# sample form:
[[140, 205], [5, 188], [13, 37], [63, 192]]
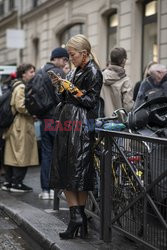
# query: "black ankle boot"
[[76, 221], [84, 228]]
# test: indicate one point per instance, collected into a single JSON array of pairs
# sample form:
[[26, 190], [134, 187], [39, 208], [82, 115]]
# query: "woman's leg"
[[76, 202], [82, 198], [72, 198], [76, 219], [76, 198]]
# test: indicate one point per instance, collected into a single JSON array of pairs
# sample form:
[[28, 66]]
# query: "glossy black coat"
[[72, 167]]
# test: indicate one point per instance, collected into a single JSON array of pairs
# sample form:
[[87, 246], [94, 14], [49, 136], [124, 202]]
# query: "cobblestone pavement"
[[12, 238]]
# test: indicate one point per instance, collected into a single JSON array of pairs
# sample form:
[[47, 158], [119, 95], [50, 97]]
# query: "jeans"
[[47, 142], [15, 175]]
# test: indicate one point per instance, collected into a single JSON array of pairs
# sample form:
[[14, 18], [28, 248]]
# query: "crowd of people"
[[67, 155]]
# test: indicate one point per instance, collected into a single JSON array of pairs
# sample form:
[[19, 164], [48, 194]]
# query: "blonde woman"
[[72, 168]]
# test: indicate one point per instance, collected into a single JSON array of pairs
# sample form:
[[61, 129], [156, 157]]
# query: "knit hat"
[[13, 75], [58, 53]]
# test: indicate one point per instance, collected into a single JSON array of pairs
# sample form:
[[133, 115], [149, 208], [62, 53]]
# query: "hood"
[[113, 74]]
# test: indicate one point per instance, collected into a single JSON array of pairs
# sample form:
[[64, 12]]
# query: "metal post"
[[106, 190], [56, 201]]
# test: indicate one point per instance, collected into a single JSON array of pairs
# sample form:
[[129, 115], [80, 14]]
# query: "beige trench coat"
[[20, 141]]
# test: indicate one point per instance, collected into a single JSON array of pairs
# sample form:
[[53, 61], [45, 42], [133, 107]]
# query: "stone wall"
[[51, 17]]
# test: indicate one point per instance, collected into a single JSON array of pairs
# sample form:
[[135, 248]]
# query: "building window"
[[112, 33], [11, 4], [35, 3], [72, 31], [1, 7], [150, 46]]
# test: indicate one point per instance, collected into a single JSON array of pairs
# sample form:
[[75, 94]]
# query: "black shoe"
[[71, 232], [84, 227], [6, 186], [74, 225], [20, 188]]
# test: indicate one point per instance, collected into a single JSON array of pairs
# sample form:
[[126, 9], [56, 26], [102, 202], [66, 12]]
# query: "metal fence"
[[131, 187], [134, 188]]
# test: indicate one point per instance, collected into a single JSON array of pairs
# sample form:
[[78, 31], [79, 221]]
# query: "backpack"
[[39, 94], [6, 114]]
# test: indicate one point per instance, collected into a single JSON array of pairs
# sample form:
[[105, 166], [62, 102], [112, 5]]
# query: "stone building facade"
[[140, 26]]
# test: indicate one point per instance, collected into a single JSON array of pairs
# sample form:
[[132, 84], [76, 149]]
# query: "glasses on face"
[[65, 59]]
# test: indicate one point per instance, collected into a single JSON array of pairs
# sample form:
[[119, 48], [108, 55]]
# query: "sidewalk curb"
[[42, 227]]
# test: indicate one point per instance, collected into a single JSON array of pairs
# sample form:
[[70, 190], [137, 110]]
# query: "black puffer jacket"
[[72, 167]]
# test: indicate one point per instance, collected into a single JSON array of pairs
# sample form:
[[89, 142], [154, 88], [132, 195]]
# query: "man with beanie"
[[58, 59]]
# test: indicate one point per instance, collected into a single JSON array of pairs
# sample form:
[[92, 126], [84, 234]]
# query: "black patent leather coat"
[[72, 166]]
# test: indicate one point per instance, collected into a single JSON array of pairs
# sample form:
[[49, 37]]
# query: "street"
[[12, 237], [30, 207]]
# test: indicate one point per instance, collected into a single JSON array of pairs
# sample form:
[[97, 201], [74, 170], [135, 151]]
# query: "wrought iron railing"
[[131, 188]]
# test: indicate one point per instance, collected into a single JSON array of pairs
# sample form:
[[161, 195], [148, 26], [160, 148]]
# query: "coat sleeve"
[[91, 96], [19, 100], [127, 95]]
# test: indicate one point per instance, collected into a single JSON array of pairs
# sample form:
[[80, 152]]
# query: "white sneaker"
[[44, 195], [63, 196], [6, 186], [51, 194]]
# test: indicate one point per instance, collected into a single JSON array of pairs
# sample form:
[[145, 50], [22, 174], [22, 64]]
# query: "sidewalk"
[[43, 224]]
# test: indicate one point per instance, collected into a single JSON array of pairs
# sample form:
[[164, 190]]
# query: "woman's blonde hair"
[[79, 43]]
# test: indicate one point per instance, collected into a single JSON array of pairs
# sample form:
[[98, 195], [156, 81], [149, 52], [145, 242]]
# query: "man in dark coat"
[[158, 75], [59, 58]]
